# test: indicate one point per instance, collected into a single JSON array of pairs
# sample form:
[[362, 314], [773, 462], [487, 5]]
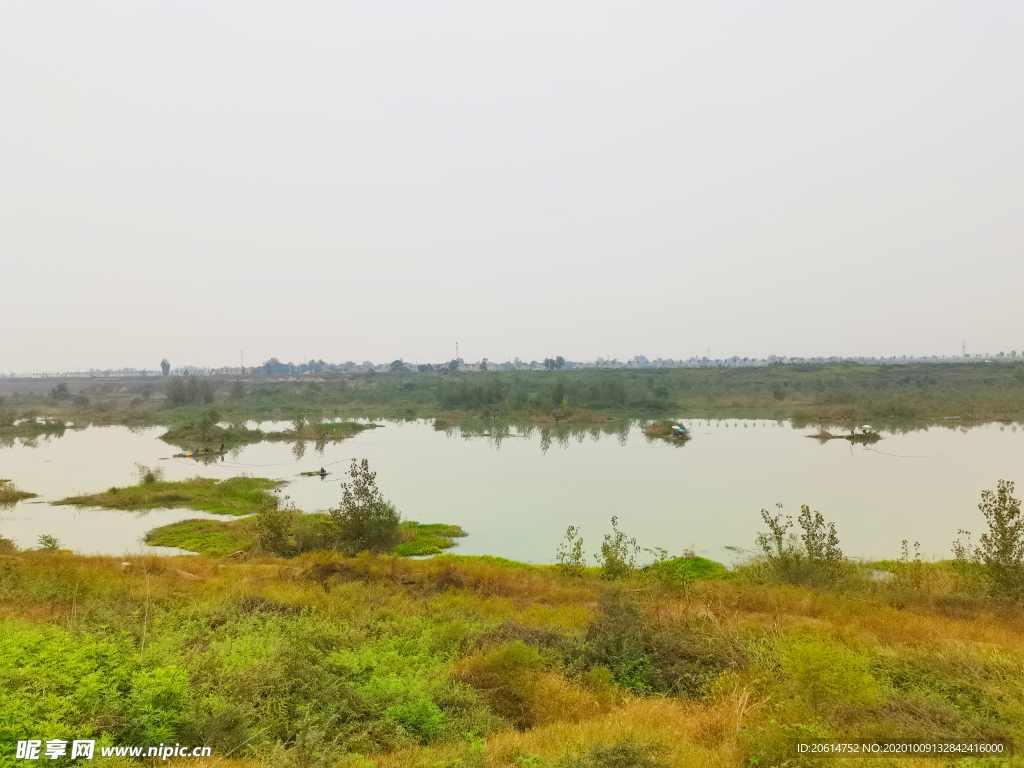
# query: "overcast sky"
[[381, 179]]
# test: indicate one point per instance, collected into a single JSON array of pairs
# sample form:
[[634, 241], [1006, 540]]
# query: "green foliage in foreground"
[[310, 661], [234, 496]]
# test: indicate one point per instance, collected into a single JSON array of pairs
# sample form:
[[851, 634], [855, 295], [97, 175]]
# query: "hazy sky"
[[354, 180]]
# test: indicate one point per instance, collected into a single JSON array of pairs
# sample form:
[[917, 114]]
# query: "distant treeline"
[[926, 391], [969, 391]]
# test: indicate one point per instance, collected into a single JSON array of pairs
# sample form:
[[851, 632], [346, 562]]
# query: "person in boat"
[[322, 472]]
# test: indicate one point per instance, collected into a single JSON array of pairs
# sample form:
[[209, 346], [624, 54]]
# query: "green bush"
[[814, 558], [615, 640], [571, 560], [365, 522], [618, 553], [421, 718], [824, 670], [1001, 549], [159, 704]]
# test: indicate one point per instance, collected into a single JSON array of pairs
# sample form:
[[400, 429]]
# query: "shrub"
[[365, 522], [1001, 550], [60, 392], [618, 553], [46, 541], [422, 719], [274, 527], [814, 557], [824, 670], [159, 704], [571, 559], [149, 475], [615, 640], [505, 676]]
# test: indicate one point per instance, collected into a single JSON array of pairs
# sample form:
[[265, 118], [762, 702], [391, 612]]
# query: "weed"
[[571, 559], [149, 475], [618, 553]]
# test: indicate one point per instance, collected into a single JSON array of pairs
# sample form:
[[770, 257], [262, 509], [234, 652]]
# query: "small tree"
[[60, 392], [618, 553], [571, 559], [165, 367], [821, 543], [365, 521], [274, 527], [811, 557], [1001, 550]]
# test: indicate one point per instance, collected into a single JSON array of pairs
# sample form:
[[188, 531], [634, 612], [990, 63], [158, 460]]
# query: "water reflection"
[[562, 434]]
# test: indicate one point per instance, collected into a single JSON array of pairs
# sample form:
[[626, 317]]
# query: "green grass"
[[224, 537], [311, 660], [692, 568], [208, 537], [234, 496], [429, 539]]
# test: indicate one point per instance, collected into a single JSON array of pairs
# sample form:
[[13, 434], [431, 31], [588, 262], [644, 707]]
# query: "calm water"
[[516, 494]]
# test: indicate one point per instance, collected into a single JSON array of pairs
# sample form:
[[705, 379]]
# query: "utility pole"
[[243, 362], [963, 348], [456, 350]]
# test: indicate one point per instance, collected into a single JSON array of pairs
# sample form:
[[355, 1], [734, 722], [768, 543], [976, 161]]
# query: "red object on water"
[[661, 429]]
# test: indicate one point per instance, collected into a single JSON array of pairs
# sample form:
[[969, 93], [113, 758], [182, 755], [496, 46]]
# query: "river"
[[515, 494]]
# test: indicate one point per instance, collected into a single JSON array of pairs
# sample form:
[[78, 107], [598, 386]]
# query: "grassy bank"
[[224, 537], [234, 496], [202, 428], [475, 661], [11, 494]]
